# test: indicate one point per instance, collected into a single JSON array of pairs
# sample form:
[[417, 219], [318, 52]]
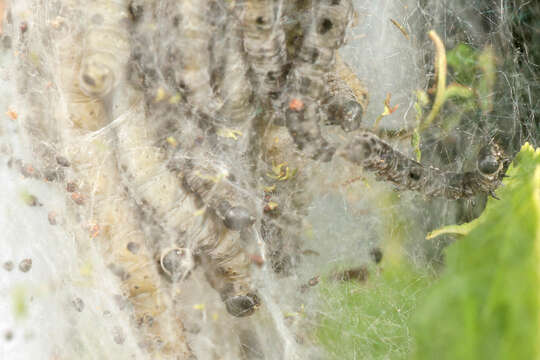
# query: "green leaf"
[[462, 60], [486, 303], [462, 229]]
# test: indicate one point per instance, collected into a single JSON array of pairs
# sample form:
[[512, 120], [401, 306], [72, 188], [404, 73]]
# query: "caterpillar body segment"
[[105, 48], [375, 155], [184, 50], [280, 225], [196, 201], [230, 147], [84, 112], [35, 74], [235, 90], [265, 45], [306, 82]]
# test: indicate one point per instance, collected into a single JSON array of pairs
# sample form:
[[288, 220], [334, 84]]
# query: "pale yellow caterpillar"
[[101, 215], [116, 231]]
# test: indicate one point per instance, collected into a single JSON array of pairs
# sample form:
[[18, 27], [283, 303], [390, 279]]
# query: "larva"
[[181, 215], [222, 135], [123, 245], [102, 201], [306, 81], [184, 57], [375, 155], [234, 88], [264, 44]]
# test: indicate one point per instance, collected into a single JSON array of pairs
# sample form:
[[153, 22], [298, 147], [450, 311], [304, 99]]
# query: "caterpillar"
[[79, 117], [377, 156], [193, 210], [181, 215], [306, 81], [184, 36], [223, 133], [264, 43]]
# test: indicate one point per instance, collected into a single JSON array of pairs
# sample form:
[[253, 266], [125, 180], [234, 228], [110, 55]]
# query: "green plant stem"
[[441, 71]]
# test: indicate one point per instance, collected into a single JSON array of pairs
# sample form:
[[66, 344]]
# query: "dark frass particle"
[[25, 265], [242, 305], [376, 255], [8, 265], [78, 303], [23, 27]]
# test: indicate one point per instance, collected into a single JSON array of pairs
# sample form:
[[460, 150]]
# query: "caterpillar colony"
[[164, 114]]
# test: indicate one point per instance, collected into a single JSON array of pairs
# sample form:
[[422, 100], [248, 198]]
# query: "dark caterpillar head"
[[242, 305], [346, 113], [177, 263], [491, 160]]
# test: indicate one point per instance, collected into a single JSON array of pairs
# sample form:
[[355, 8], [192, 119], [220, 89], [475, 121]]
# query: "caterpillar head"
[[242, 305], [96, 77], [177, 263], [491, 161]]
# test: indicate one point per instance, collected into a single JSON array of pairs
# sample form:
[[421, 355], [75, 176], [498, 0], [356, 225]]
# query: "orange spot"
[[77, 198], [12, 114], [257, 259], [94, 231], [296, 105]]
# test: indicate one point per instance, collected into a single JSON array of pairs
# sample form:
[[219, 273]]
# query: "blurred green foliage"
[[462, 60], [485, 305]]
